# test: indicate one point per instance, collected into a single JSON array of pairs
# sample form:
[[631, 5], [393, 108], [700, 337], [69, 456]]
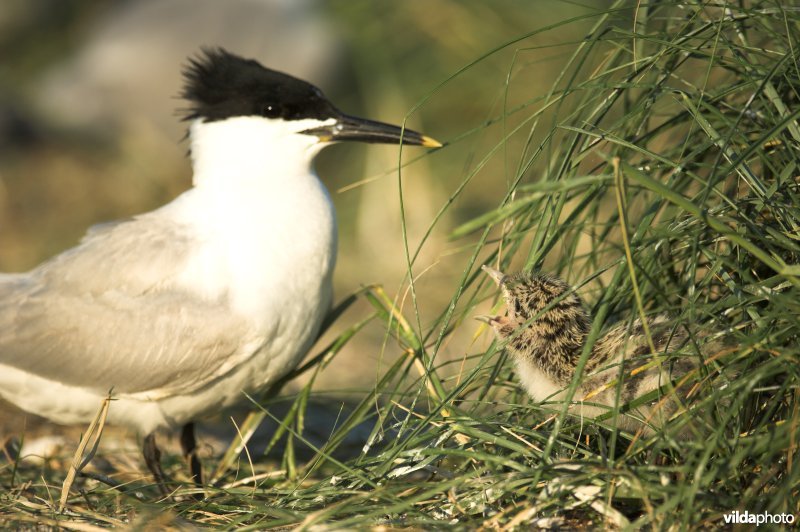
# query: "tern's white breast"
[[271, 260], [266, 245]]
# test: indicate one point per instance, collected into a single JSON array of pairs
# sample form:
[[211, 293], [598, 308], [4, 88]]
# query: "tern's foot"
[[189, 447], [152, 457]]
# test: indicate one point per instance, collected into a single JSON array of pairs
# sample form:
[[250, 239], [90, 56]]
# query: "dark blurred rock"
[[18, 128]]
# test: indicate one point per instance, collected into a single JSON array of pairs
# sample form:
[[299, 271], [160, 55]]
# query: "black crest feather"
[[220, 85]]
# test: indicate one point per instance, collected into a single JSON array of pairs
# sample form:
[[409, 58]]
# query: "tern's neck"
[[246, 152]]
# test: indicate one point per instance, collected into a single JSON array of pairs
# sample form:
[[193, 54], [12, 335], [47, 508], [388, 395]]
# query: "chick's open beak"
[[496, 275]]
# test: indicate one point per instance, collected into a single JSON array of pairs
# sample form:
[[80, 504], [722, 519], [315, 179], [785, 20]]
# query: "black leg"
[[152, 457], [189, 446]]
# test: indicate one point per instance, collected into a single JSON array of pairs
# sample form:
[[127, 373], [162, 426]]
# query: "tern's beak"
[[496, 275], [350, 128], [485, 319]]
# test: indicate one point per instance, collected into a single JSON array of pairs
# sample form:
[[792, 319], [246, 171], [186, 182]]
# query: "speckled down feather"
[[546, 328]]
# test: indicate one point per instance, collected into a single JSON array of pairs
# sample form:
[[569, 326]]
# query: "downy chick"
[[546, 328]]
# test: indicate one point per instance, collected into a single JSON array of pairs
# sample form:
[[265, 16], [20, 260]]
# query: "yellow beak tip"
[[430, 142]]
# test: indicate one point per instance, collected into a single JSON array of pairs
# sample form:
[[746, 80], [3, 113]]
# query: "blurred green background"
[[89, 132]]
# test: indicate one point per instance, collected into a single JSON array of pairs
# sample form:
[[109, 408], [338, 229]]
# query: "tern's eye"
[[270, 111]]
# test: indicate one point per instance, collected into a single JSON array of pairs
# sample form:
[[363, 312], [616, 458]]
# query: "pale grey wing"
[[159, 342], [107, 314]]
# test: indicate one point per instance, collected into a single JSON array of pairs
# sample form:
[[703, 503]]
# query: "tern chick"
[[546, 327]]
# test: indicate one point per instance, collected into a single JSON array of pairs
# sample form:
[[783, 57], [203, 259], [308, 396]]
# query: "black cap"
[[222, 85]]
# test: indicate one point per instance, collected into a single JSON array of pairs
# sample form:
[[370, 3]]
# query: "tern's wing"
[[108, 313]]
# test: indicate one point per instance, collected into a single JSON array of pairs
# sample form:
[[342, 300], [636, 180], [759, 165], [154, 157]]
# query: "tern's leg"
[[189, 446], [152, 457]]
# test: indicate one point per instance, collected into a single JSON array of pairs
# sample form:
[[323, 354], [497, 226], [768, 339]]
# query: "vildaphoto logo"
[[744, 518]]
